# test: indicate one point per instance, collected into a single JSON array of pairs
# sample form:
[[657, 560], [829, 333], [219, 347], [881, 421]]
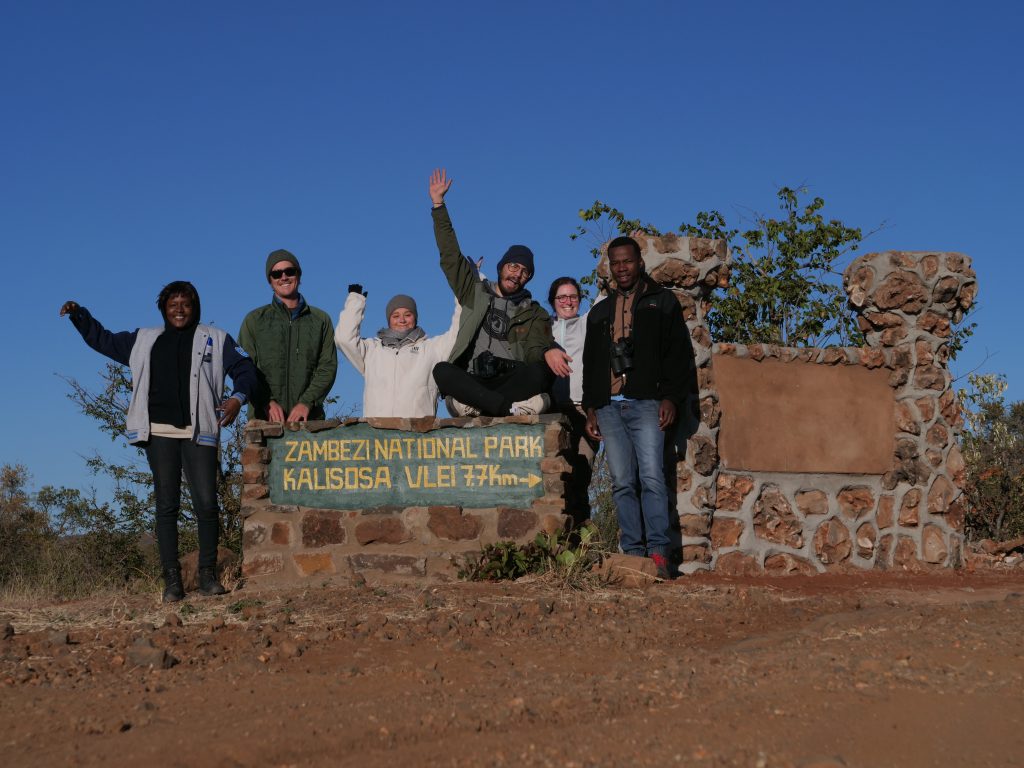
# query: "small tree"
[[785, 285], [993, 450]]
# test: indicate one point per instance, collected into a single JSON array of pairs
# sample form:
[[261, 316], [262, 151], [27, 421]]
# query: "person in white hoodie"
[[396, 363], [569, 329]]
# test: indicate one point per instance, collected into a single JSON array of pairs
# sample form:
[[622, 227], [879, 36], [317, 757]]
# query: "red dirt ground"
[[864, 670]]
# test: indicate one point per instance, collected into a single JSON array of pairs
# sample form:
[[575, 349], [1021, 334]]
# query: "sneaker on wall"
[[532, 407], [457, 409]]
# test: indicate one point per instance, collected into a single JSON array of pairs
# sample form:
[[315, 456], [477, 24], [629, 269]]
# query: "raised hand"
[[439, 186], [68, 307], [356, 288]]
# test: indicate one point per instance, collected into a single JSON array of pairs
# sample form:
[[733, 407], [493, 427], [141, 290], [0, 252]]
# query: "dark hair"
[[179, 288], [622, 240], [560, 281]]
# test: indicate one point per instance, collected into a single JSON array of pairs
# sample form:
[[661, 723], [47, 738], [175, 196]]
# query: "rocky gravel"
[[856, 670]]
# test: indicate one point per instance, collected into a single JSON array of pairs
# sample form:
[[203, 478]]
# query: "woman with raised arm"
[[396, 363], [175, 414]]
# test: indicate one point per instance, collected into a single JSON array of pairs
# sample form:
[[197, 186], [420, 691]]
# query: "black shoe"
[[174, 590], [208, 582]]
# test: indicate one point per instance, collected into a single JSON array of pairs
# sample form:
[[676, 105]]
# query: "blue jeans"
[[636, 447]]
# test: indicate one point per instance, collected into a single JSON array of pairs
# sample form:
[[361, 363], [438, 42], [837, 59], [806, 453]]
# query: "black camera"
[[487, 366], [622, 356]]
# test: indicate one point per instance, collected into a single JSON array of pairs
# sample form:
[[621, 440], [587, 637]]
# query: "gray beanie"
[[281, 255], [401, 301]]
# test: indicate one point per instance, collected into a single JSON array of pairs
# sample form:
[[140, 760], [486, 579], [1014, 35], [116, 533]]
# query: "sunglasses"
[[277, 274]]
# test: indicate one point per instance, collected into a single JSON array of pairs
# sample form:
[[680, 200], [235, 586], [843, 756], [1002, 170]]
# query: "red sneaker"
[[661, 563]]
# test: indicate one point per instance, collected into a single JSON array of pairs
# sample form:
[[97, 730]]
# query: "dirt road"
[[871, 670]]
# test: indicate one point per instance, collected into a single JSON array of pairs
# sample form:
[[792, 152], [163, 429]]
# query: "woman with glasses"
[[175, 414], [569, 329]]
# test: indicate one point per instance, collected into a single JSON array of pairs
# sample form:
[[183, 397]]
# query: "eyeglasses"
[[567, 298], [277, 274]]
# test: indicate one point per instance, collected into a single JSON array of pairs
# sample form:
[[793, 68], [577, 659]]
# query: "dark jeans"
[[493, 396], [168, 456]]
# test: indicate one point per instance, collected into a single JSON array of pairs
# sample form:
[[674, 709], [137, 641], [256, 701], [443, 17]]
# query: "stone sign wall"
[[802, 460], [396, 497], [799, 500]]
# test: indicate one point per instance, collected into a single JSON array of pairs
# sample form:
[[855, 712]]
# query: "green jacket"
[[529, 335], [297, 359]]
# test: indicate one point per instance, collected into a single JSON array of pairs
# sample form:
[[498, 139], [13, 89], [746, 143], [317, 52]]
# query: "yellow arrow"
[[531, 480]]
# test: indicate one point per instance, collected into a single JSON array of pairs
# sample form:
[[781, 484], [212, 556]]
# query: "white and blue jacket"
[[214, 354]]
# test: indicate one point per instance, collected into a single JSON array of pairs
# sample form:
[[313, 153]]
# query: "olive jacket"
[[296, 357], [529, 334]]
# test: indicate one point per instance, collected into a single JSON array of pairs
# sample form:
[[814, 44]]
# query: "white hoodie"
[[399, 382]]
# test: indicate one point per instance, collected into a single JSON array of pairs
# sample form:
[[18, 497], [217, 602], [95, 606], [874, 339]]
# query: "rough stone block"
[[703, 454], [866, 538], [907, 419], [255, 455], [262, 564], [934, 548], [321, 528], [937, 435], [929, 377], [451, 524], [926, 407], [726, 532], [684, 477], [955, 516], [774, 519], [885, 515], [785, 564], [382, 530], [695, 525], [935, 324], [696, 553], [402, 565], [910, 508], [555, 465], [905, 554], [253, 534], [903, 291], [254, 492], [736, 564], [281, 534], [883, 560], [940, 495], [310, 563], [516, 523], [832, 542], [254, 477], [732, 490], [811, 502], [855, 502]]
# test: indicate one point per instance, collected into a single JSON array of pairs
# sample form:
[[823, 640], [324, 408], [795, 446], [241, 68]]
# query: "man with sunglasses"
[[292, 345]]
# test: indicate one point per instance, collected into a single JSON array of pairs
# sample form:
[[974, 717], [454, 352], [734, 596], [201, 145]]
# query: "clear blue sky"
[[146, 142]]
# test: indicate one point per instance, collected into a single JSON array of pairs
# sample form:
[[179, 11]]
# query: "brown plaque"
[[804, 417]]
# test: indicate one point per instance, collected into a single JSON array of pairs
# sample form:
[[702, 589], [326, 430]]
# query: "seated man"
[[504, 357]]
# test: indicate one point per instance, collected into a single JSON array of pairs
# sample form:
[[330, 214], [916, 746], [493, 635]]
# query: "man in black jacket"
[[636, 364]]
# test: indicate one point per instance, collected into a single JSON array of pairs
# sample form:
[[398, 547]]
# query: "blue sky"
[[146, 142]]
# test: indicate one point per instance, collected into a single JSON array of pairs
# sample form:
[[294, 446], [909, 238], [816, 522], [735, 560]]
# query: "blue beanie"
[[517, 254]]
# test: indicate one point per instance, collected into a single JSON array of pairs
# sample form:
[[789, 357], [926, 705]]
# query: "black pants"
[[168, 456], [493, 396]]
